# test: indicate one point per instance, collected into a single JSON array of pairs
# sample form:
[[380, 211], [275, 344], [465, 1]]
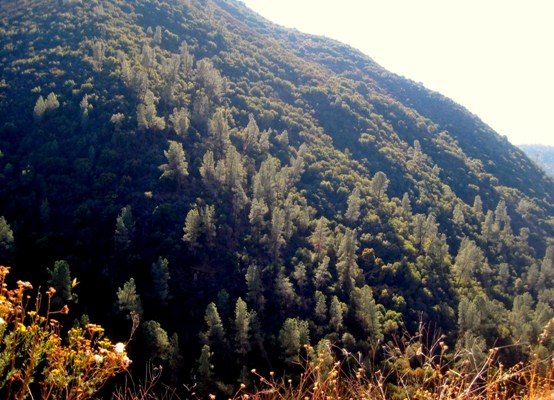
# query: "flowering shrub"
[[35, 359]]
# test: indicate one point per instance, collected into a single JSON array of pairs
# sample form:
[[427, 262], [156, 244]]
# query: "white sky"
[[495, 57]]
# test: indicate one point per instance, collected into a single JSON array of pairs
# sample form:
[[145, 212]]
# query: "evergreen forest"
[[242, 190]]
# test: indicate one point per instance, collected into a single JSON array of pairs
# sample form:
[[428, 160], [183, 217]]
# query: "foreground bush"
[[412, 372], [35, 360]]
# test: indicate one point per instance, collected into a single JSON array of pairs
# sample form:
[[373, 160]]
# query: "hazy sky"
[[494, 57]]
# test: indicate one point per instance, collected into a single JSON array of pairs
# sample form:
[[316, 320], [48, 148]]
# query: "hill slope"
[[252, 188], [542, 155]]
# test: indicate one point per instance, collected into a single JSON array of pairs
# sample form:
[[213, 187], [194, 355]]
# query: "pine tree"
[[406, 206], [128, 300], [52, 102], [469, 260], [347, 266], [192, 228], [275, 240], [284, 290], [337, 311], [489, 229], [160, 280], [157, 38], [353, 211], [124, 228], [180, 121], [60, 279], [156, 340], [322, 276], [320, 239], [40, 108], [219, 132], [300, 276], [242, 327], [205, 366], [98, 54], [209, 79], [379, 185], [176, 167], [215, 332], [458, 215], [478, 207], [254, 283], [187, 59], [258, 211], [6, 235], [320, 309], [293, 336], [147, 116], [250, 135], [367, 313]]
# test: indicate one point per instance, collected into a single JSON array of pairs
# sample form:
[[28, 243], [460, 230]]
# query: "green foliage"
[[128, 300], [60, 280], [296, 190]]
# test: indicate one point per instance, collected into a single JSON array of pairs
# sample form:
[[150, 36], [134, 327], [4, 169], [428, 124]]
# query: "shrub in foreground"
[[35, 360]]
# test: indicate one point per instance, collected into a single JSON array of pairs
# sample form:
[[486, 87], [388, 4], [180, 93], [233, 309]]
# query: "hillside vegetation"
[[247, 190], [542, 155]]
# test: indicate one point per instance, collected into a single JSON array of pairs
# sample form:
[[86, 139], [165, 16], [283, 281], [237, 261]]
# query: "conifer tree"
[[379, 185], [6, 235], [284, 290], [347, 266], [219, 132], [458, 215], [52, 102], [478, 207], [128, 300], [255, 286], [215, 332], [160, 280], [40, 108], [367, 313], [250, 135], [180, 121], [293, 336], [275, 240], [320, 309], [147, 115], [209, 79], [98, 54], [406, 206], [242, 327], [322, 276], [176, 167], [353, 210], [192, 228], [258, 211], [156, 340], [187, 59], [60, 279], [124, 228], [469, 260], [320, 239], [205, 366]]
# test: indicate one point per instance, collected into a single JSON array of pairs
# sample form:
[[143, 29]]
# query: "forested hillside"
[[247, 189], [542, 155]]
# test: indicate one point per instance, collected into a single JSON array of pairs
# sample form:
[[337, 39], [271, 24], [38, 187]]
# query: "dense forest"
[[542, 155], [245, 190]]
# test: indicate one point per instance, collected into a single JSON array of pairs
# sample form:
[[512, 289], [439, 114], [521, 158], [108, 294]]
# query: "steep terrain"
[[542, 155], [246, 189]]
